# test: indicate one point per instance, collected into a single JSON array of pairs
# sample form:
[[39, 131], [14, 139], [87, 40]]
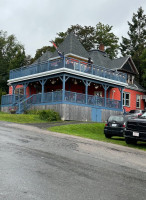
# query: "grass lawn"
[[93, 131], [20, 118]]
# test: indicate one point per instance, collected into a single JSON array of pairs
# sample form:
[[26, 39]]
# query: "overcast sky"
[[36, 22]]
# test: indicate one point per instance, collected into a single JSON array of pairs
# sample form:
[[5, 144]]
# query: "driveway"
[[36, 164]]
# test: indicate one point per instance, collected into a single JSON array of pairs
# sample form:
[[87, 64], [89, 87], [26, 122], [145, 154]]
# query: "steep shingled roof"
[[44, 57], [71, 44], [100, 58]]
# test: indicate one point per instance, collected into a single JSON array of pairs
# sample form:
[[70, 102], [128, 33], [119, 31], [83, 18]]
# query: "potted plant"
[[13, 110]]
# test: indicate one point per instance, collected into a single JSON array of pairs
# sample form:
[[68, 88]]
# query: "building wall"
[[115, 94], [133, 94], [19, 86]]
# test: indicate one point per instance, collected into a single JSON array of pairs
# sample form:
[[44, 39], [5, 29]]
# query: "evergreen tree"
[[143, 66], [136, 43]]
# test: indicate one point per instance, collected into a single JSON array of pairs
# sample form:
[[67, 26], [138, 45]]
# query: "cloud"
[[36, 22]]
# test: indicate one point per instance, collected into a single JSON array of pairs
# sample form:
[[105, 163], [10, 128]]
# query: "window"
[[98, 93], [126, 99], [19, 91], [130, 79], [137, 101]]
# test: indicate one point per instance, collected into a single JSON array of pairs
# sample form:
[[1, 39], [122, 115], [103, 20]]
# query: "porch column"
[[13, 92], [87, 83], [63, 88], [121, 98], [42, 82], [105, 92], [25, 86], [86, 91]]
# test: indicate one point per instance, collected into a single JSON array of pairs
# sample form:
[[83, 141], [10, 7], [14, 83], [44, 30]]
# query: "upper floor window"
[[130, 79], [126, 99], [137, 101]]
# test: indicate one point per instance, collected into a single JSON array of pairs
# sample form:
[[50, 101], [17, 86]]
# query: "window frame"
[[139, 102], [124, 99]]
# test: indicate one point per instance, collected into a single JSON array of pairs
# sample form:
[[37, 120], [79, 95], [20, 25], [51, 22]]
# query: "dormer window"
[[130, 79]]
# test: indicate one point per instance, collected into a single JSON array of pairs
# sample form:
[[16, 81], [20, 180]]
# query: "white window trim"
[[124, 99], [139, 100]]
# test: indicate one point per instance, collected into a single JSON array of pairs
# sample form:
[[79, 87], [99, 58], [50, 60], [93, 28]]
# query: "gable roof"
[[72, 45]]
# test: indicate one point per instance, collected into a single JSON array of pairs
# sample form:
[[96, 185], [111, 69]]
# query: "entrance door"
[[96, 115]]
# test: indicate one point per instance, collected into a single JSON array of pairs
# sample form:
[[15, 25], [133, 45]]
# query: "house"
[[73, 86]]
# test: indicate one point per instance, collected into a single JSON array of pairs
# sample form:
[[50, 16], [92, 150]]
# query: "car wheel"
[[130, 140], [108, 136]]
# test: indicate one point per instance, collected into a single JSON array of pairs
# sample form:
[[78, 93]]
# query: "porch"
[[70, 105]]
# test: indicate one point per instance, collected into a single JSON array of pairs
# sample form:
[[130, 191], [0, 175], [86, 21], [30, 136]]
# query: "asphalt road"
[[39, 165]]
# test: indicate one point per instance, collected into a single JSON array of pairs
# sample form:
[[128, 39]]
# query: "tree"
[[103, 35], [136, 43], [85, 34], [40, 52], [12, 55], [88, 36], [143, 66]]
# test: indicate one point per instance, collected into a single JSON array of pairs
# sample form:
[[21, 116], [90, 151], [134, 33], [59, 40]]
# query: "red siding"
[[133, 94], [117, 96], [18, 86]]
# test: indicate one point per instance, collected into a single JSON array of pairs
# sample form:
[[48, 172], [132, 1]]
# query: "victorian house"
[[81, 85]]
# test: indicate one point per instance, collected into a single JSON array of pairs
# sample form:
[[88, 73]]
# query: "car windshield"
[[116, 118]]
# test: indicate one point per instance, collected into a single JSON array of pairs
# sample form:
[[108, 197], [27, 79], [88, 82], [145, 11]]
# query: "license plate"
[[114, 125], [136, 134]]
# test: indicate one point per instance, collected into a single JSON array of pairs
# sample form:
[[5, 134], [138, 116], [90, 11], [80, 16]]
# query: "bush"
[[49, 115]]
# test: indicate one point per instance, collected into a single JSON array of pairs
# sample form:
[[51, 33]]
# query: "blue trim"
[[69, 63], [71, 103]]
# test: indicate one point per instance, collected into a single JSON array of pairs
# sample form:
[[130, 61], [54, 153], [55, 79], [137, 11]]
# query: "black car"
[[135, 130], [115, 125]]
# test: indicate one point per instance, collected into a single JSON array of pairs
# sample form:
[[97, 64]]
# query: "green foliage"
[[88, 36], [41, 51], [12, 55], [32, 112], [103, 35], [1, 93], [49, 115], [20, 118], [136, 43], [143, 66]]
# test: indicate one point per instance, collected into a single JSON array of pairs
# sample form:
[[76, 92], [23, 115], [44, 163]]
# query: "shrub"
[[49, 115]]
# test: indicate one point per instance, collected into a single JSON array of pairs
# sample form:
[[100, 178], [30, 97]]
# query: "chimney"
[[101, 47]]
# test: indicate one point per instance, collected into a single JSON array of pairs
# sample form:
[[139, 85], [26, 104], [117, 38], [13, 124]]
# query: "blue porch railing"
[[57, 96], [12, 99], [69, 63]]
